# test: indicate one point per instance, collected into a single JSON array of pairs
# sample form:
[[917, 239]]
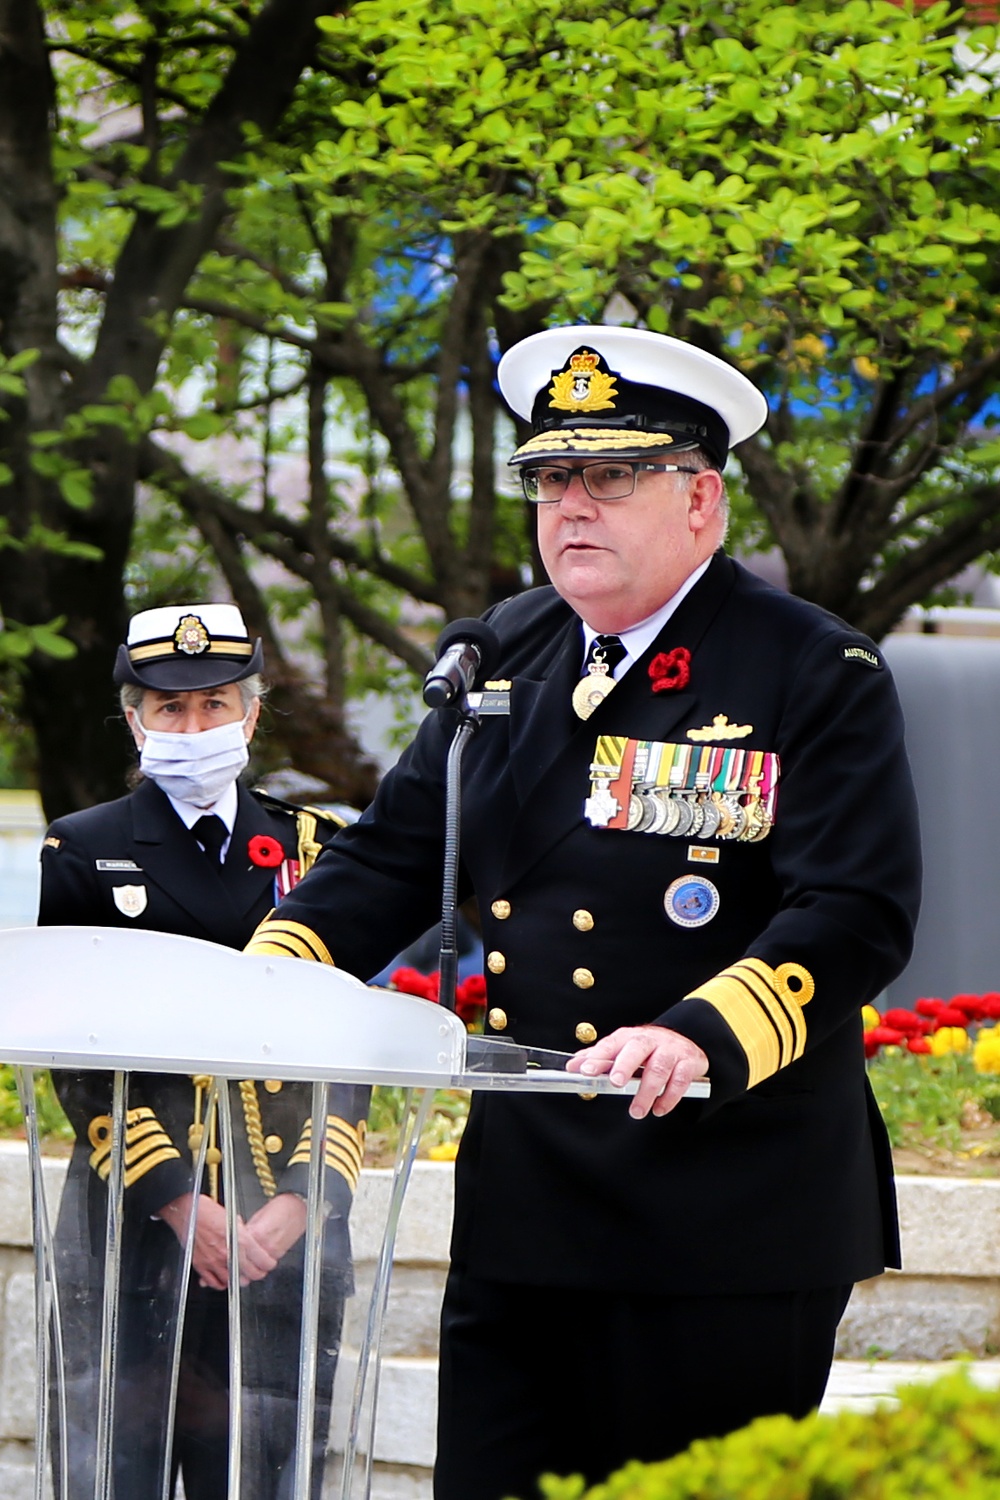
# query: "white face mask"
[[194, 767]]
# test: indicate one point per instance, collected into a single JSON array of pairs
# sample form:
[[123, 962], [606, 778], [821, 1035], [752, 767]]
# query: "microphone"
[[465, 648]]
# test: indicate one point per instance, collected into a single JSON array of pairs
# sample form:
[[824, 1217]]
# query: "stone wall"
[[947, 1301]]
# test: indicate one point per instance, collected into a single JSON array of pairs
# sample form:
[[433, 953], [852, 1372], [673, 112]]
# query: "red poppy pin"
[[670, 670], [265, 851]]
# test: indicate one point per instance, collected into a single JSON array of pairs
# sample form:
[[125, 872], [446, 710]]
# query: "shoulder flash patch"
[[51, 843], [863, 655]]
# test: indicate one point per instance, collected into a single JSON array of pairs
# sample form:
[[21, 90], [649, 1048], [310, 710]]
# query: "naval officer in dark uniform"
[[191, 851], [690, 826]]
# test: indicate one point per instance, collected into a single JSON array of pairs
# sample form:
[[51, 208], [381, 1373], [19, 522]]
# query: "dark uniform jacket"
[[133, 863], [764, 955]]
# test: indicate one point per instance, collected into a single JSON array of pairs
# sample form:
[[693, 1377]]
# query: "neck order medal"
[[591, 690]]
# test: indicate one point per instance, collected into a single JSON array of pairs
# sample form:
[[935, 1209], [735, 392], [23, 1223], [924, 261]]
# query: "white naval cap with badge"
[[591, 390], [179, 648]]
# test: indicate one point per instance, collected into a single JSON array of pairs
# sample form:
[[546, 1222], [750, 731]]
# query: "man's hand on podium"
[[667, 1061]]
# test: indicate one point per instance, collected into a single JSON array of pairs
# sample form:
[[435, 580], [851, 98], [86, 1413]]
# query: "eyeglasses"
[[545, 484]]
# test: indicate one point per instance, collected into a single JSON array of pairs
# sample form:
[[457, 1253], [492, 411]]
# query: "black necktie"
[[610, 650], [211, 833]]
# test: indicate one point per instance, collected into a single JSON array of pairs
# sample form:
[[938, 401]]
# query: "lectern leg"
[[49, 1361], [309, 1332], [221, 1099], [104, 1468], [361, 1433], [187, 1258]]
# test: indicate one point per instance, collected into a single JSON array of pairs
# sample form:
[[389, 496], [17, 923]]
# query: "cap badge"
[[582, 385], [191, 637]]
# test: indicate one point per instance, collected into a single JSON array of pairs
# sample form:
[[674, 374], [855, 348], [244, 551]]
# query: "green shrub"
[[942, 1442], [52, 1123]]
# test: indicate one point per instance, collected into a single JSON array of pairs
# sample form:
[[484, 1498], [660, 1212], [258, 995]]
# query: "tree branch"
[[933, 563], [157, 261], [159, 465]]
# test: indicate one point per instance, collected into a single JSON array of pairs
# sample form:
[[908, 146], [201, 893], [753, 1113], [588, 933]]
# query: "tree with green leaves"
[[137, 213], [308, 257]]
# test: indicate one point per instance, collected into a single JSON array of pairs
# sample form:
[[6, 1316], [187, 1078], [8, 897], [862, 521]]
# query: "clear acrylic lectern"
[[118, 1015]]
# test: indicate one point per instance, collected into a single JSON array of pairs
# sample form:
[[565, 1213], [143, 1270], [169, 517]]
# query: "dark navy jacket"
[[782, 1185]]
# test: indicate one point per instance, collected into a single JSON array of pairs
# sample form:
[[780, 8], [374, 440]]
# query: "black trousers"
[[554, 1380]]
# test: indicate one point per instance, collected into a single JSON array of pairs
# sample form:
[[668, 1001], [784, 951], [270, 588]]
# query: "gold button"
[[583, 979], [273, 1143], [496, 963], [582, 920], [498, 1018], [273, 1085], [586, 1033], [501, 910], [586, 1096]]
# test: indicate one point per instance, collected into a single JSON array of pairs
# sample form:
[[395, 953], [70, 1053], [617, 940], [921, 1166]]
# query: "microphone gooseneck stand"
[[467, 726], [484, 1054]]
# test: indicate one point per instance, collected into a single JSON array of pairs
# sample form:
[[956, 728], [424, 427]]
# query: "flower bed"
[[935, 1070]]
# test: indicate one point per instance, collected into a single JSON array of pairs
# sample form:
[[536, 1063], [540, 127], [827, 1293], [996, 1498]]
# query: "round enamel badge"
[[691, 901]]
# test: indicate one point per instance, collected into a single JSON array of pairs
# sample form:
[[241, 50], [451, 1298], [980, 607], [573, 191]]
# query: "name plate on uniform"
[[494, 699], [683, 790]]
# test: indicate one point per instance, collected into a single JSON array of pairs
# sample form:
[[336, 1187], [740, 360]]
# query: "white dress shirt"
[[225, 809], [637, 638]]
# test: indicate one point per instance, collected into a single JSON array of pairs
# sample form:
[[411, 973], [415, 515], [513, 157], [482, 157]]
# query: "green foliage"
[[759, 164], [17, 642], [811, 191], [923, 1098], [445, 1122], [52, 1123], [942, 1441]]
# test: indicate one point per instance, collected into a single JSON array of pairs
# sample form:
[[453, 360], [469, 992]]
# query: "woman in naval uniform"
[[191, 851]]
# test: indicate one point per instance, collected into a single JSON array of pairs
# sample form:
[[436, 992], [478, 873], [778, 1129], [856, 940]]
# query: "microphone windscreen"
[[481, 635]]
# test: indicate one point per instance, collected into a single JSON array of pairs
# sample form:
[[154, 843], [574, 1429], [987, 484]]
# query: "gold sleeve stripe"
[[146, 1144], [343, 1148], [136, 1133], [791, 1029], [289, 940], [137, 1161], [336, 1130], [132, 1174], [763, 1008], [336, 1160]]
